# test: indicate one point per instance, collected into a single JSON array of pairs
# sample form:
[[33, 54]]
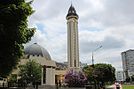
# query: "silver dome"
[[37, 50]]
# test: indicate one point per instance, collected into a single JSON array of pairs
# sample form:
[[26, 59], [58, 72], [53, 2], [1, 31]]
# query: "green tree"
[[30, 72], [128, 79], [88, 70], [100, 73], [12, 78], [104, 73], [132, 78], [14, 32]]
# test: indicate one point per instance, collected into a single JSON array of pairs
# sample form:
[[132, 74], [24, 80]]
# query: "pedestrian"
[[117, 85], [36, 85]]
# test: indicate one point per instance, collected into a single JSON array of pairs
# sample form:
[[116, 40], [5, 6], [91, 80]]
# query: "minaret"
[[72, 38]]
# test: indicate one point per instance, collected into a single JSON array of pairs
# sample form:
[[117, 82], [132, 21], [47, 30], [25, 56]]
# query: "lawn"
[[128, 86]]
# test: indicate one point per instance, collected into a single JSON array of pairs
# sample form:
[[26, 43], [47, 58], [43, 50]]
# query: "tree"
[[128, 79], [14, 32], [100, 73], [132, 78], [12, 78], [30, 72], [88, 70], [75, 79], [104, 73]]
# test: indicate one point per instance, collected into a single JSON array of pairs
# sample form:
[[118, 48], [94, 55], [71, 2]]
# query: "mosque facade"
[[53, 72]]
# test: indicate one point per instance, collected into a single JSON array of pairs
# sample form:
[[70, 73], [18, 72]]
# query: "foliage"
[[14, 32], [132, 78], [75, 79], [30, 72], [104, 73], [100, 73], [88, 70], [13, 78], [128, 79]]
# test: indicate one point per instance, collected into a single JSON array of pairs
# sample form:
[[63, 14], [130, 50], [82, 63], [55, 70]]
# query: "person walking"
[[118, 85]]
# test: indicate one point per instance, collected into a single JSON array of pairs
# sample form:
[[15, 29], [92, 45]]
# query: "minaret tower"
[[72, 38]]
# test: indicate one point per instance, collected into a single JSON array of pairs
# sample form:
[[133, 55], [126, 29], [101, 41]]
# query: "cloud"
[[113, 43], [109, 23], [107, 44], [117, 13]]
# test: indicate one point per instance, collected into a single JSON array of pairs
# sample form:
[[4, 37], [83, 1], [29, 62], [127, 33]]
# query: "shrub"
[[75, 79]]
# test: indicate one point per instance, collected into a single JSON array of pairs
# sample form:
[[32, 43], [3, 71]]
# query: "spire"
[[71, 2], [72, 12]]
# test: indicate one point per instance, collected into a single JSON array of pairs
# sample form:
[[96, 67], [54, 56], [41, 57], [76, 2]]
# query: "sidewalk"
[[113, 86]]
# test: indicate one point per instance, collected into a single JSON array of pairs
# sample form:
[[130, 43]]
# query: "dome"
[[37, 50], [72, 12]]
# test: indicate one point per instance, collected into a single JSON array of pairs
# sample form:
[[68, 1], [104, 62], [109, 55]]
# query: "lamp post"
[[93, 63], [93, 54]]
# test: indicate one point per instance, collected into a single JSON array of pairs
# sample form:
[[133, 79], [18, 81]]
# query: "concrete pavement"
[[113, 86]]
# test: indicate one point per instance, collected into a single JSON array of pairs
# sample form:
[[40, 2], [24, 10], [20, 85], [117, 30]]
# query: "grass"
[[128, 86]]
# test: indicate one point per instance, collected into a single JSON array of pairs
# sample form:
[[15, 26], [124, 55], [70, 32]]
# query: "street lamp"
[[93, 63], [93, 54]]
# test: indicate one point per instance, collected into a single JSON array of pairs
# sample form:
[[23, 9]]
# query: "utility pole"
[[93, 54], [95, 86]]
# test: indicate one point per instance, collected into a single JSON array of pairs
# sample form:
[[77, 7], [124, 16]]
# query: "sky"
[[109, 23]]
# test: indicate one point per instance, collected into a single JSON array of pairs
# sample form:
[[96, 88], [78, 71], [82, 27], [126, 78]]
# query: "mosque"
[[53, 71]]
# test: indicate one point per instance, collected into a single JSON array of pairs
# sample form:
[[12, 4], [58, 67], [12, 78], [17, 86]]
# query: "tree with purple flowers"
[[75, 79]]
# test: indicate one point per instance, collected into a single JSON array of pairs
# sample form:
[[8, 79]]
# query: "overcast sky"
[[109, 23]]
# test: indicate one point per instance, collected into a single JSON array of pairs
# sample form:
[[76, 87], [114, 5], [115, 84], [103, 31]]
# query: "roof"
[[130, 50], [61, 66], [72, 12], [37, 50]]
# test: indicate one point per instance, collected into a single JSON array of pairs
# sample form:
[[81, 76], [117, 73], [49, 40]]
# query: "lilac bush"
[[75, 79]]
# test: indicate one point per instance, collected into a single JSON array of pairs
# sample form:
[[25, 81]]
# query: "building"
[[81, 64], [72, 39], [40, 55], [53, 72], [119, 76], [128, 62]]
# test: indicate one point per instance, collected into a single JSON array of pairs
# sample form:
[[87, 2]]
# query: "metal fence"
[[12, 84]]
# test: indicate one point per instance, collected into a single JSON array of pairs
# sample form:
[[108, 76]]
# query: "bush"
[[75, 79]]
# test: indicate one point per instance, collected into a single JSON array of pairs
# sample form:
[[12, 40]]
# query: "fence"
[[13, 84]]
